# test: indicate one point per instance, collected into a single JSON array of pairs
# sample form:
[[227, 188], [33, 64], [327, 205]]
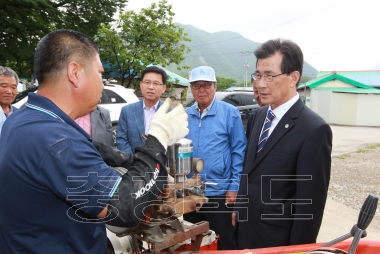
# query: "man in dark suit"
[[286, 169], [98, 125], [135, 118], [102, 126]]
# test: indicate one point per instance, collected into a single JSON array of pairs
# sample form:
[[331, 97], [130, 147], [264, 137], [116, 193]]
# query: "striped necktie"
[[264, 134]]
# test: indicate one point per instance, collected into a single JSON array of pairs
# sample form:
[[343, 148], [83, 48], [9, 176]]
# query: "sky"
[[333, 34]]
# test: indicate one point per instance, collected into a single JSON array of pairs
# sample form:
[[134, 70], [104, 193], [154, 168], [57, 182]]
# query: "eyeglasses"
[[198, 86], [267, 77], [148, 83]]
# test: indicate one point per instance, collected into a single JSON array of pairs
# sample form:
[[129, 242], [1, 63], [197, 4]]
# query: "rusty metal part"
[[171, 240], [183, 205], [161, 228]]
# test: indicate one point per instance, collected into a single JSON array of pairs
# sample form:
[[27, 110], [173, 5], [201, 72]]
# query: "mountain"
[[227, 52], [376, 67]]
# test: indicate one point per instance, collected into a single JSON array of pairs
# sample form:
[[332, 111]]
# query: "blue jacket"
[[56, 181], [219, 139], [131, 127]]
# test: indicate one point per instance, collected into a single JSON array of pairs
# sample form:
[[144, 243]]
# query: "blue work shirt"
[[219, 139], [53, 183]]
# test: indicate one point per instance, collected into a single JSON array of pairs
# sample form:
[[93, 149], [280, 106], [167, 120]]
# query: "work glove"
[[169, 127]]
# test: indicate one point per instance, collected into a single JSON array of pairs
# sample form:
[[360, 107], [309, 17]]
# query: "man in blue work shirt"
[[219, 139], [56, 191]]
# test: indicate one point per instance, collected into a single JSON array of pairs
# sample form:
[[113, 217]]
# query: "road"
[[351, 181]]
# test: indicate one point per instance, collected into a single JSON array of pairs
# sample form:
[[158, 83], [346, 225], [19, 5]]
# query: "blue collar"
[[43, 104]]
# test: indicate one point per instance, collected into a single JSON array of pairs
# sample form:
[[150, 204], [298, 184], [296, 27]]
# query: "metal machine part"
[[161, 228], [198, 165], [180, 159]]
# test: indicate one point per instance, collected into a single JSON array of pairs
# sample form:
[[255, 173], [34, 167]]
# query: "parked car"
[[244, 101], [114, 97]]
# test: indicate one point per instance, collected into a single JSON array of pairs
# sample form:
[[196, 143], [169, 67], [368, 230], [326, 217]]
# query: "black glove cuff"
[[153, 141]]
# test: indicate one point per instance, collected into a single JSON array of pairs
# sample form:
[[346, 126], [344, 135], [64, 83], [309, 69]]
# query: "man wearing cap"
[[218, 138]]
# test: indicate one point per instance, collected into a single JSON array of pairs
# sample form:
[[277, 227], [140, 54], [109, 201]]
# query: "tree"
[[225, 83], [24, 22], [139, 39]]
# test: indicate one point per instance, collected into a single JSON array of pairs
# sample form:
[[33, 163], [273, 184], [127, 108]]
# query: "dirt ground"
[[355, 173]]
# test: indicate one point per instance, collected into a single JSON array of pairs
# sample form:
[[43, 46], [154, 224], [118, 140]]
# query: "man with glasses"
[[135, 118], [288, 158], [217, 132]]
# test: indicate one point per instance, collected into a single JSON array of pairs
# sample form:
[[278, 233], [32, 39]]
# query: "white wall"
[[320, 102], [368, 110], [346, 108]]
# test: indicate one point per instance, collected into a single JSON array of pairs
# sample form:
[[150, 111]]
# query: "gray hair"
[[8, 72]]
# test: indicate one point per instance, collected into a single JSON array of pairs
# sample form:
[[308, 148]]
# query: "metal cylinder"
[[180, 159]]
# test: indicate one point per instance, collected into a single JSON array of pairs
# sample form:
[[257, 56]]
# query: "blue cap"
[[203, 73]]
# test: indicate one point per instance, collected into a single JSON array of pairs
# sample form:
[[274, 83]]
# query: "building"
[[344, 98]]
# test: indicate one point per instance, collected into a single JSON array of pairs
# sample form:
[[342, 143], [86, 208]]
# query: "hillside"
[[225, 51]]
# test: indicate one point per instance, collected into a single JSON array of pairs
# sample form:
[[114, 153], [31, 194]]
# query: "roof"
[[370, 77], [350, 90], [173, 77], [321, 79]]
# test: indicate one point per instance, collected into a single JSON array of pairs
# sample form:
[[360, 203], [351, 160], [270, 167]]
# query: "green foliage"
[[344, 156], [139, 39], [225, 83], [24, 22]]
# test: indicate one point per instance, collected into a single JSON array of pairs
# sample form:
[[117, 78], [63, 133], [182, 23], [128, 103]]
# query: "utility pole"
[[246, 66]]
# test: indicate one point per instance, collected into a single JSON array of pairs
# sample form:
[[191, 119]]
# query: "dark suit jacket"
[[131, 127], [250, 123], [285, 187], [101, 126]]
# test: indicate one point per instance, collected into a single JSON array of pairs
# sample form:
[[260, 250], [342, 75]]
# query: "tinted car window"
[[247, 99], [109, 96], [233, 99]]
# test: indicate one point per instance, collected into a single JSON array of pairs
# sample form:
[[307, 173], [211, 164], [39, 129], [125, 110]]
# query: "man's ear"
[[295, 76], [74, 71]]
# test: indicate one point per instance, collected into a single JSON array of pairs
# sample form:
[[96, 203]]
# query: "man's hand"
[[233, 217], [230, 197], [169, 127]]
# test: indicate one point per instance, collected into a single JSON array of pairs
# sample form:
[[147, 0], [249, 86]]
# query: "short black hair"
[[156, 70], [58, 48], [292, 56]]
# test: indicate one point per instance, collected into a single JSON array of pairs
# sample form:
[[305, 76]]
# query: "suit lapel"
[[254, 137], [285, 125]]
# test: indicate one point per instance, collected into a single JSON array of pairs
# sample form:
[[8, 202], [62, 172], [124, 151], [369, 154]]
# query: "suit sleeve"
[[250, 124], [314, 160], [108, 123], [238, 143], [122, 142]]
